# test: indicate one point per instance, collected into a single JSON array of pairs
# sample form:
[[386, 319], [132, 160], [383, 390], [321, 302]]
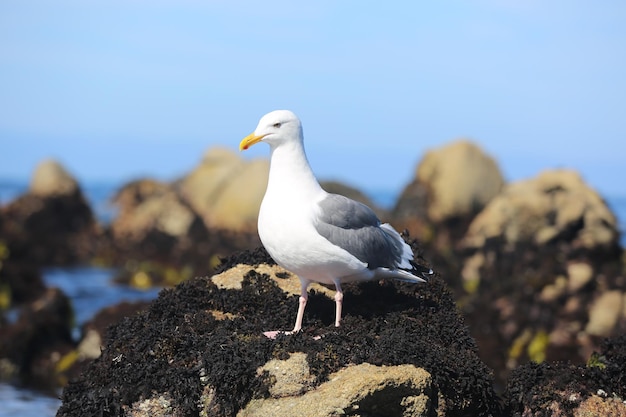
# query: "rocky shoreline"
[[526, 313]]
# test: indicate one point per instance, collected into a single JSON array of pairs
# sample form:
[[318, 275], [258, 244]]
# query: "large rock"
[[226, 191], [543, 273], [200, 350], [455, 181], [51, 224], [556, 205], [152, 214], [159, 228]]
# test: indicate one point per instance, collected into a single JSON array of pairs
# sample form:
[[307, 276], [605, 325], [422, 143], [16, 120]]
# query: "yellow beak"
[[250, 140]]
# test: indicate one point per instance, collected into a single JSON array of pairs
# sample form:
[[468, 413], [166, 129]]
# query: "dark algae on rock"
[[199, 348], [563, 389]]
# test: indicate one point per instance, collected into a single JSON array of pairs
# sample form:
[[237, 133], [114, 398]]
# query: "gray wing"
[[355, 228]]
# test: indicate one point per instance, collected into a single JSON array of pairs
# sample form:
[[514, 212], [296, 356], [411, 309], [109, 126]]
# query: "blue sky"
[[120, 89]]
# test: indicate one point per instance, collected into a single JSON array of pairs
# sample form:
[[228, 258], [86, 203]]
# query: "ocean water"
[[92, 289]]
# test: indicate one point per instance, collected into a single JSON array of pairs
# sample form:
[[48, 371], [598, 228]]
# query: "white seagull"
[[321, 237]]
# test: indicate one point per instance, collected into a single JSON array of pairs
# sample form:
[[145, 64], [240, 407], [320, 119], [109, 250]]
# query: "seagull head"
[[275, 128]]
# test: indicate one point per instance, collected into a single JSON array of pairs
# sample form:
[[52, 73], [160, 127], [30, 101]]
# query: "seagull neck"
[[290, 168]]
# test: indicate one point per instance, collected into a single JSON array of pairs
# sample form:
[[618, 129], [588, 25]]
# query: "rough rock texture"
[[542, 273], [364, 389], [560, 389], [451, 184], [52, 224], [199, 351], [226, 191]]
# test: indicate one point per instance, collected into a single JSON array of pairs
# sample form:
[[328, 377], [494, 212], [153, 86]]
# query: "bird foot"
[[274, 334]]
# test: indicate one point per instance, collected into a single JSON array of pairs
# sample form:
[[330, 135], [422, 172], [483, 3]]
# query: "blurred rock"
[[52, 224], [542, 272], [199, 350], [605, 313], [158, 238], [457, 181], [19, 284], [153, 218], [226, 191], [50, 179], [556, 205], [93, 338], [451, 185], [36, 342]]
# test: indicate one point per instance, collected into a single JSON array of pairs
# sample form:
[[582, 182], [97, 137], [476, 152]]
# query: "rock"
[[93, 339], [19, 283], [291, 376], [548, 246], [155, 223], [563, 389], [226, 191], [52, 224], [556, 205], [148, 207], [159, 239], [94, 331], [199, 350], [601, 406], [604, 314], [50, 179], [579, 274], [402, 390], [35, 343], [459, 179]]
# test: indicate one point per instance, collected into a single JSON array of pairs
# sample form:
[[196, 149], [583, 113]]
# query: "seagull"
[[318, 236]]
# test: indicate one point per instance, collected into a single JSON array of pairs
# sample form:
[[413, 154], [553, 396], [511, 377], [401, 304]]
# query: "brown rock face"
[[458, 181], [51, 179], [226, 191], [151, 212], [451, 185], [554, 205]]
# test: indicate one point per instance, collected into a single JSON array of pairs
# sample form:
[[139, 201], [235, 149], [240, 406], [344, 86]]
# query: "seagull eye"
[[277, 125]]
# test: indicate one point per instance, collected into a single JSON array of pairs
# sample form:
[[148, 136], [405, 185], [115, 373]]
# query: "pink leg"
[[304, 296], [338, 303], [303, 299]]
